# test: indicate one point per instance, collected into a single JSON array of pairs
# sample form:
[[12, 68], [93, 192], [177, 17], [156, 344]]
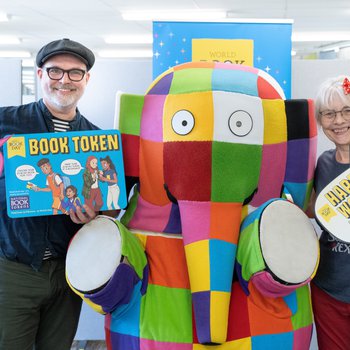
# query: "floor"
[[88, 345]]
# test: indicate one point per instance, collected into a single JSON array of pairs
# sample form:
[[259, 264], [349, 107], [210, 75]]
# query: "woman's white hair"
[[330, 90]]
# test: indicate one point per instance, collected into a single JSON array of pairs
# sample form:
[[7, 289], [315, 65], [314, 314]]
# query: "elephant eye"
[[182, 122], [240, 123]]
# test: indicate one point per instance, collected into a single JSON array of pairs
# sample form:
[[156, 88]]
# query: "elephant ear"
[[2, 142], [127, 120], [289, 151], [301, 150]]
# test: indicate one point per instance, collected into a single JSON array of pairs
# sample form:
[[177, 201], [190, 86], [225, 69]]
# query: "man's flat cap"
[[65, 46]]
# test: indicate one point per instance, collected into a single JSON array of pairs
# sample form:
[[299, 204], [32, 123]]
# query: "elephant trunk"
[[210, 233]]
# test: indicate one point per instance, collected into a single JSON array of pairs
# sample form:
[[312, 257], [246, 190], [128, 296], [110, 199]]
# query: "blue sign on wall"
[[271, 52]]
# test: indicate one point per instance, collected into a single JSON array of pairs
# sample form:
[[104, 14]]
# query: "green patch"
[[303, 317], [249, 253], [235, 171], [166, 315], [130, 114], [191, 80]]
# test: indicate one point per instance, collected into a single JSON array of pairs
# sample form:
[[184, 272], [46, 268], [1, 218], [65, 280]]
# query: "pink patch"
[[267, 286], [150, 217], [152, 118], [2, 141], [146, 344], [272, 172], [195, 221], [302, 338], [312, 158]]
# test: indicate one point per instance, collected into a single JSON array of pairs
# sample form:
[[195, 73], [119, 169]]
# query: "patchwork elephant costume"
[[214, 250]]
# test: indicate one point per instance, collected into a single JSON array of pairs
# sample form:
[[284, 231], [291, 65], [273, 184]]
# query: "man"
[[37, 308]]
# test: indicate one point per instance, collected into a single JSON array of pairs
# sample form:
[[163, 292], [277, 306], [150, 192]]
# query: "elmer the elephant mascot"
[[214, 250]]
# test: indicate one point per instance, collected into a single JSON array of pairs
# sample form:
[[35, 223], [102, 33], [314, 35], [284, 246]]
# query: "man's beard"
[[63, 100]]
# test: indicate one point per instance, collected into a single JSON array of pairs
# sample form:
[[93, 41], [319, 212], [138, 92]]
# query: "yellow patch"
[[199, 106]]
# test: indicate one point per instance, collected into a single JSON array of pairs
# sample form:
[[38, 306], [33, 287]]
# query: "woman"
[[91, 191], [109, 175], [331, 285]]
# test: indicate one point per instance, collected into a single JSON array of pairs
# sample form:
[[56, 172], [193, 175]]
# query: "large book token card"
[[54, 173]]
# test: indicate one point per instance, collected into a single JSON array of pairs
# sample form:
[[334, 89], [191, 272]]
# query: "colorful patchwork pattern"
[[162, 317], [207, 140]]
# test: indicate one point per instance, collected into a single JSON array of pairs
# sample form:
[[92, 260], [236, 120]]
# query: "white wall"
[[107, 77], [10, 82]]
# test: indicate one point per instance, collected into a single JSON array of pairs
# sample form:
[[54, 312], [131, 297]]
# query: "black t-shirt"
[[334, 269]]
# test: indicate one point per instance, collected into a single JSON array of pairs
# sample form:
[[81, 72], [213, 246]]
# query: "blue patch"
[[126, 318], [298, 192], [222, 257], [292, 301], [282, 341], [235, 81]]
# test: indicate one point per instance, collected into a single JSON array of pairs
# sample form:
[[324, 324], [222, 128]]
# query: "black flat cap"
[[65, 46]]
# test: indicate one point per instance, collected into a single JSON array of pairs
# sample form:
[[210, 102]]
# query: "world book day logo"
[[332, 207], [16, 147]]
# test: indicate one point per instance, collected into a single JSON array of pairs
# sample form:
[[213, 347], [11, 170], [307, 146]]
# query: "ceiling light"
[[126, 53], [174, 15], [129, 39], [320, 36], [15, 54], [331, 48], [4, 17], [9, 40]]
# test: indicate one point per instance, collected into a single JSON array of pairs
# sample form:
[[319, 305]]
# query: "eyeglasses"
[[75, 74], [330, 115]]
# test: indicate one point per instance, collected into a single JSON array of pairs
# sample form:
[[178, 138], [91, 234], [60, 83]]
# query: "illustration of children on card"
[[71, 201], [91, 190], [110, 176], [54, 184]]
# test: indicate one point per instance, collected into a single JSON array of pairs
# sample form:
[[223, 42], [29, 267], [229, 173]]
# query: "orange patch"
[[225, 220], [268, 315], [266, 90], [151, 172], [195, 65], [167, 262]]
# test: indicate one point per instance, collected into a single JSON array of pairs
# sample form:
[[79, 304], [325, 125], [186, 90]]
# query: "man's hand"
[[80, 217]]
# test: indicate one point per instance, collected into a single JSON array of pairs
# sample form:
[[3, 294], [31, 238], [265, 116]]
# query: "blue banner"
[[269, 44]]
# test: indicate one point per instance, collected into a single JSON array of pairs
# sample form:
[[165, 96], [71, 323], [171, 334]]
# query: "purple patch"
[[123, 341], [243, 283], [174, 223], [117, 291], [201, 306], [162, 87], [297, 161], [144, 285]]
